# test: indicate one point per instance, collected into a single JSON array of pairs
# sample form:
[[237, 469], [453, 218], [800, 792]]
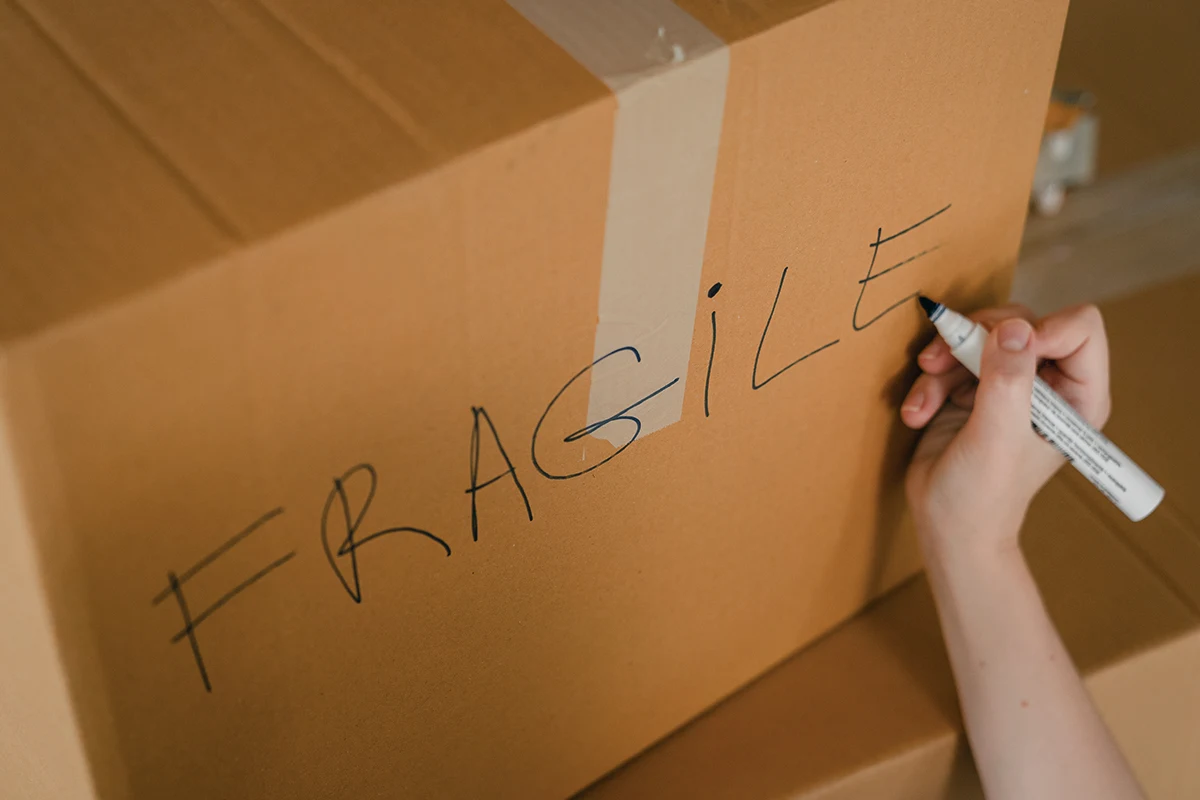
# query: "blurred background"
[[1142, 62], [1135, 220]]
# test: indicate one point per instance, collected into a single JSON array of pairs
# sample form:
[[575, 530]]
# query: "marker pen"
[[1088, 450]]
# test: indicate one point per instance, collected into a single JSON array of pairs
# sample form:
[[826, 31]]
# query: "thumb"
[[1005, 391]]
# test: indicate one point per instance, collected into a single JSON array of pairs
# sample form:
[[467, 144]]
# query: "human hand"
[[979, 463]]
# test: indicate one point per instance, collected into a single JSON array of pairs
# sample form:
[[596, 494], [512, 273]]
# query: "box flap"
[[212, 124], [84, 218]]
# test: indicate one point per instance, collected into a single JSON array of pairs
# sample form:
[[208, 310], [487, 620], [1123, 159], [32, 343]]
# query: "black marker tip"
[[928, 305]]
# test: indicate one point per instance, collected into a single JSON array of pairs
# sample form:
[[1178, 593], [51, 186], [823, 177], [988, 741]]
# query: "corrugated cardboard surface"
[[870, 710], [40, 751], [338, 332], [210, 124]]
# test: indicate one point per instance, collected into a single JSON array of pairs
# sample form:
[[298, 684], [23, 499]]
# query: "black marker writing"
[[712, 351], [351, 521], [620, 416], [175, 587], [754, 384], [473, 490], [341, 547], [872, 276]]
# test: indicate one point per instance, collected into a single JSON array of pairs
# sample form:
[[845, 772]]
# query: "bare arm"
[[1033, 728], [1032, 725]]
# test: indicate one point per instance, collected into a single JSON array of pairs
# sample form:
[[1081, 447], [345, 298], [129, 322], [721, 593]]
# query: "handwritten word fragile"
[[347, 527]]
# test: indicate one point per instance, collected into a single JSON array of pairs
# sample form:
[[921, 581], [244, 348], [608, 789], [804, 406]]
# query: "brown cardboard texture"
[[411, 400], [870, 710]]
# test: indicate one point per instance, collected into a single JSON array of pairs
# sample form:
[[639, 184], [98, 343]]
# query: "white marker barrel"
[[1089, 451]]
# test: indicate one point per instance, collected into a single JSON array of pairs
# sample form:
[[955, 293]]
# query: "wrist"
[[971, 546]]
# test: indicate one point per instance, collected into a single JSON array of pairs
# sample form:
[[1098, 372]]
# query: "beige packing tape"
[[669, 74]]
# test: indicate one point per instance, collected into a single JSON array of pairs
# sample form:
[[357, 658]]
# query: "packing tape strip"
[[669, 74]]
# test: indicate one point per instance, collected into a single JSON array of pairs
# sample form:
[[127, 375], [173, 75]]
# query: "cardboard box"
[[307, 489], [871, 710]]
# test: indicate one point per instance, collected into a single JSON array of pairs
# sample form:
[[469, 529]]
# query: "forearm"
[[1033, 728]]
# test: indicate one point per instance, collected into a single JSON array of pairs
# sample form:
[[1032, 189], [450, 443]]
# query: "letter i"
[[712, 292]]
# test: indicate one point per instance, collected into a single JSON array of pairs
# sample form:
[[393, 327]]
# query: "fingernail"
[[913, 402], [929, 351], [1014, 335]]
